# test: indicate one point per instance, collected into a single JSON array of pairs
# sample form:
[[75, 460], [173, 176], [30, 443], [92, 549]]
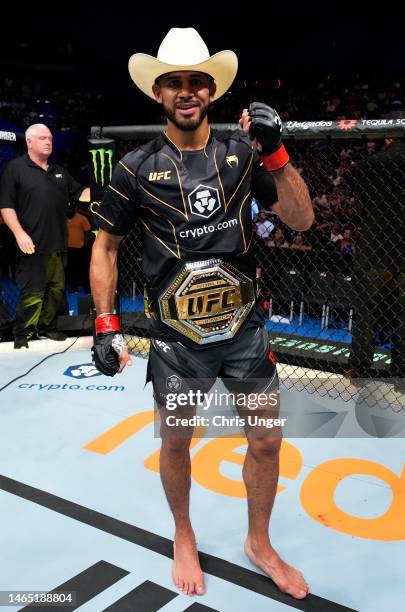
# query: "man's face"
[[185, 97], [41, 143]]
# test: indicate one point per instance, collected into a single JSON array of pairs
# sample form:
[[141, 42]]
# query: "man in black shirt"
[[191, 189], [34, 199]]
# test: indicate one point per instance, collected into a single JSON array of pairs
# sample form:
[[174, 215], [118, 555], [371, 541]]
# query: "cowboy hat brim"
[[145, 69]]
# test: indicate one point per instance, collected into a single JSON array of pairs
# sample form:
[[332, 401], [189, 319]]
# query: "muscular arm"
[[294, 206], [103, 280], [104, 271]]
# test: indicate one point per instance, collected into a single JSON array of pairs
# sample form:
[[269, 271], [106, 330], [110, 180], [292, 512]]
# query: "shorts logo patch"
[[162, 345], [173, 382]]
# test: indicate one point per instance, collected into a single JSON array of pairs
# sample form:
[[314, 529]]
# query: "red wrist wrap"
[[276, 160], [107, 323]]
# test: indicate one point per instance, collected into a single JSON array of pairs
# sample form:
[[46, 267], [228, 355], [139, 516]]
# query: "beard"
[[184, 124]]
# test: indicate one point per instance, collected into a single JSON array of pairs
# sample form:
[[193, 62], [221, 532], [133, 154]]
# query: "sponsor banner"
[[345, 128], [77, 371], [10, 137], [28, 386], [102, 162]]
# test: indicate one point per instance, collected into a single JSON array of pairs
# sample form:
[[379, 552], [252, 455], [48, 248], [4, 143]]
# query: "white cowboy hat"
[[183, 49]]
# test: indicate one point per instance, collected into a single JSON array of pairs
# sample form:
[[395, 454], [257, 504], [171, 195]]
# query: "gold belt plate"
[[207, 301]]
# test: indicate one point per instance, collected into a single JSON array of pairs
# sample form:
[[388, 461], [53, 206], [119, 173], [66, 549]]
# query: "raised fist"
[[266, 127]]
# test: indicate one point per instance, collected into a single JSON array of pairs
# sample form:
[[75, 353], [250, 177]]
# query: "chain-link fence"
[[334, 296]]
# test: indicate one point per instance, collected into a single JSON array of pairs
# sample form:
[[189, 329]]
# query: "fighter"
[[190, 190]]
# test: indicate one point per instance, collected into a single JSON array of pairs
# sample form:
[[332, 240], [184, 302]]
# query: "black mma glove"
[[109, 344], [266, 127]]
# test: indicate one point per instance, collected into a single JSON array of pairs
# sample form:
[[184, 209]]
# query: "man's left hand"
[[263, 125]]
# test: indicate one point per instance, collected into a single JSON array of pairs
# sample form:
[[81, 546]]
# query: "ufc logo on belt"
[[208, 303]]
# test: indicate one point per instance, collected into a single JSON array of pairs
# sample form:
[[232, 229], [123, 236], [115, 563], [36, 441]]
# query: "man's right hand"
[[109, 351], [25, 243]]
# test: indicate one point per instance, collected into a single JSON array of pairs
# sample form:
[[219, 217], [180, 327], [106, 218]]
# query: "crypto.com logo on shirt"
[[197, 232], [204, 201]]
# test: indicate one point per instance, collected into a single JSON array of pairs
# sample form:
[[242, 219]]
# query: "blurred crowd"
[[330, 171], [30, 100], [327, 170], [27, 99]]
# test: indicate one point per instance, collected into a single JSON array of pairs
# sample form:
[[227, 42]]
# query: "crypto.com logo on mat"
[[83, 370]]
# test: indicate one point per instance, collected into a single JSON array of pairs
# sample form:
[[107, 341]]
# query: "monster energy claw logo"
[[103, 156]]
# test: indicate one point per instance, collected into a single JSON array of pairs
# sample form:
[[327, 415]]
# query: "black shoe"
[[52, 334], [20, 343]]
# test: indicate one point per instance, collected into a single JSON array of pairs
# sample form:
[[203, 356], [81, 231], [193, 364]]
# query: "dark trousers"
[[77, 271], [41, 280], [380, 298]]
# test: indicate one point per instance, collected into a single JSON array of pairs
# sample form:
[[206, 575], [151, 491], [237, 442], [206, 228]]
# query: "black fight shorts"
[[246, 366]]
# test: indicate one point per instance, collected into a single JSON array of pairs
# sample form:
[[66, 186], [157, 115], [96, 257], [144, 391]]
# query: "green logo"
[[101, 157]]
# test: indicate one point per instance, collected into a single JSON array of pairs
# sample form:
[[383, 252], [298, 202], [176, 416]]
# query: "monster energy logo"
[[103, 156]]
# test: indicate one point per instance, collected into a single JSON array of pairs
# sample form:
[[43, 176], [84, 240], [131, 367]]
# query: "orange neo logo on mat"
[[317, 493]]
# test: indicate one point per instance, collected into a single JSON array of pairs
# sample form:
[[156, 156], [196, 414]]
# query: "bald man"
[[34, 199]]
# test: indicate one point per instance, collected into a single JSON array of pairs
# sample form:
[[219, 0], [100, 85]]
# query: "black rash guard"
[[190, 205]]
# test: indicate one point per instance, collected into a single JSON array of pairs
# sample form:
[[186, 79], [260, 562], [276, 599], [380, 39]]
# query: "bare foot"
[[288, 579], [186, 572]]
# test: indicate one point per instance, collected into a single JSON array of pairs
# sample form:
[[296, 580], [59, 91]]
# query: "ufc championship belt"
[[206, 301]]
